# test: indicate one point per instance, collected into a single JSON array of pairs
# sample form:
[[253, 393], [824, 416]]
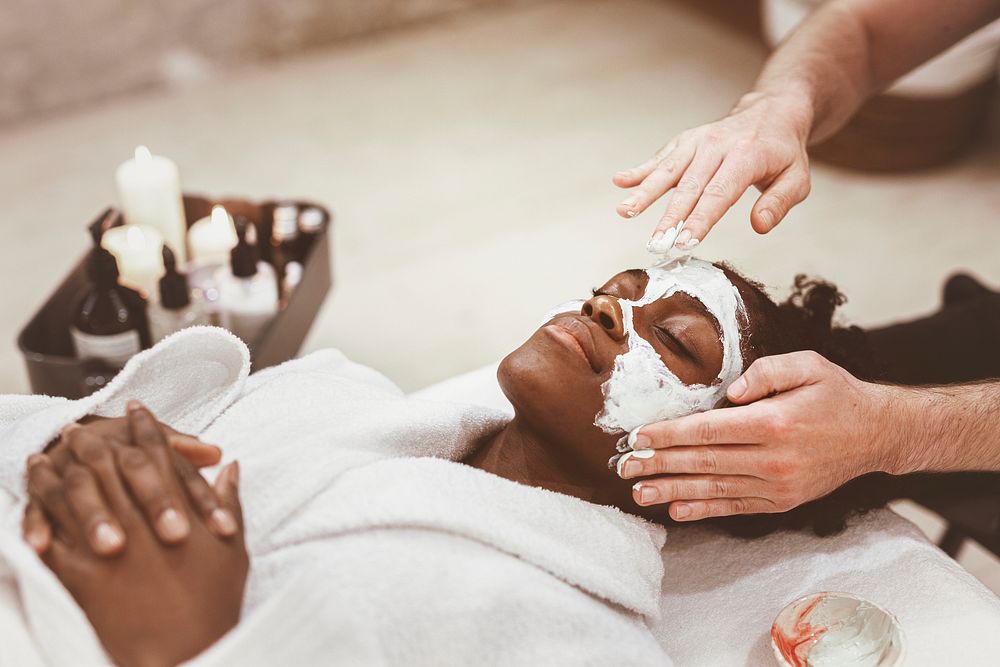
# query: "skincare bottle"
[[175, 311], [284, 238], [311, 223], [248, 288], [109, 322], [293, 276]]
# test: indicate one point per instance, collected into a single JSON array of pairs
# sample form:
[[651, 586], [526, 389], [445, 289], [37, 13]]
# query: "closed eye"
[[668, 338]]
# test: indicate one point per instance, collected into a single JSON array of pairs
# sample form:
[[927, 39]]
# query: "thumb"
[[787, 190], [197, 453], [227, 489], [770, 375]]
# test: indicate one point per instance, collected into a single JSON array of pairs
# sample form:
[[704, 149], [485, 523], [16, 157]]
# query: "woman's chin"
[[558, 397]]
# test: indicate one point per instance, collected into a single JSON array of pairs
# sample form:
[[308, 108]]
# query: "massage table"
[[721, 593]]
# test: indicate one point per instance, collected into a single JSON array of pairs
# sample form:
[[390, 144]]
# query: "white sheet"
[[720, 594]]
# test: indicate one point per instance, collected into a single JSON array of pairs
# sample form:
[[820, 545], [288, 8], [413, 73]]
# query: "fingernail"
[[622, 174], [682, 511], [737, 388], [647, 493], [133, 405], [36, 541], [35, 459], [630, 214], [627, 467], [172, 525], [641, 441], [682, 238], [106, 537], [766, 216], [690, 244], [630, 202], [224, 521]]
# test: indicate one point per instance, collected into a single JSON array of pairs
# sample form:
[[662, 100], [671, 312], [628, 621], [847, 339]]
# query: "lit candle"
[[139, 251], [149, 189], [212, 238]]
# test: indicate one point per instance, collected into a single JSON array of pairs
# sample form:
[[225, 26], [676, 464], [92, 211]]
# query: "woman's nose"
[[607, 312]]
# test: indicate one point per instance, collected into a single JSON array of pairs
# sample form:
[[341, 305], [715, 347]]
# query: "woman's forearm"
[[944, 429], [847, 50]]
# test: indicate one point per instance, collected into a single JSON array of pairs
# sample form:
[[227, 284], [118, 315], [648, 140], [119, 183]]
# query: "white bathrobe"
[[368, 543]]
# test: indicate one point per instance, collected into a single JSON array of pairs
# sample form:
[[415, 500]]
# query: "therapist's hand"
[[808, 427], [761, 143]]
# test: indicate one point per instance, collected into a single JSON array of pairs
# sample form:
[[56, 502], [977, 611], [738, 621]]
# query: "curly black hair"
[[805, 321]]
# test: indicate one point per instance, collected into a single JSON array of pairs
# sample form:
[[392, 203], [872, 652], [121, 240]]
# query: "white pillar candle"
[[212, 238], [149, 189], [139, 251]]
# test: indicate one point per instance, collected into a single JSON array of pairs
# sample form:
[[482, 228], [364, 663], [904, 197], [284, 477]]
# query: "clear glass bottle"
[[248, 288], [109, 322], [175, 311]]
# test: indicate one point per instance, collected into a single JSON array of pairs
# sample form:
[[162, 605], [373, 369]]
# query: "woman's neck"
[[519, 453]]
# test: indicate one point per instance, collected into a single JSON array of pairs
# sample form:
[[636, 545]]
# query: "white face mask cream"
[[641, 389]]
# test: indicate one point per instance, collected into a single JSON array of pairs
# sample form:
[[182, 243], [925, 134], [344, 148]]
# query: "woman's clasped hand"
[[153, 555]]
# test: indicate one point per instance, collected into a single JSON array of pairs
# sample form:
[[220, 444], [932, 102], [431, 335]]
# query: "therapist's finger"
[[695, 487], [662, 179], [778, 373], [628, 178], [722, 426], [690, 188], [788, 189], [722, 192], [707, 460], [705, 509]]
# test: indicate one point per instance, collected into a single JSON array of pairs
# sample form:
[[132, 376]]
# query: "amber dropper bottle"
[[109, 321]]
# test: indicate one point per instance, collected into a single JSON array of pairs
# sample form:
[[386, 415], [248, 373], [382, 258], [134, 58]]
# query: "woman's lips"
[[576, 336]]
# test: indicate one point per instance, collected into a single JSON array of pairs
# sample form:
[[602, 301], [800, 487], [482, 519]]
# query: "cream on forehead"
[[641, 389]]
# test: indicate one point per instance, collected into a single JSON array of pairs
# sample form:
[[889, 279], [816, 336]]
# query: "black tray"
[[48, 350]]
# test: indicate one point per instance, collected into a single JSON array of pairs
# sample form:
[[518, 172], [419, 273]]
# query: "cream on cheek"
[[641, 389]]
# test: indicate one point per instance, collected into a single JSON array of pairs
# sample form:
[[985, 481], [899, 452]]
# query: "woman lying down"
[[361, 526]]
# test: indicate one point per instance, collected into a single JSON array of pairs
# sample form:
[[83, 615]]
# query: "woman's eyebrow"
[[701, 310]]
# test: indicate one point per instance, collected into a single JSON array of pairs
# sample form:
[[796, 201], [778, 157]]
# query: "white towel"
[[359, 554], [720, 593]]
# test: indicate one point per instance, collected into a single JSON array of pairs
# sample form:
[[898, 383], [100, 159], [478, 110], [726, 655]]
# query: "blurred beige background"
[[467, 153]]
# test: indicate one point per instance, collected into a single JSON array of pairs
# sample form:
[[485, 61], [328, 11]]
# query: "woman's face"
[[554, 380]]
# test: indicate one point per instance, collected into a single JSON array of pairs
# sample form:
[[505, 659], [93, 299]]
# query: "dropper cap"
[[174, 292], [102, 267], [245, 254]]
